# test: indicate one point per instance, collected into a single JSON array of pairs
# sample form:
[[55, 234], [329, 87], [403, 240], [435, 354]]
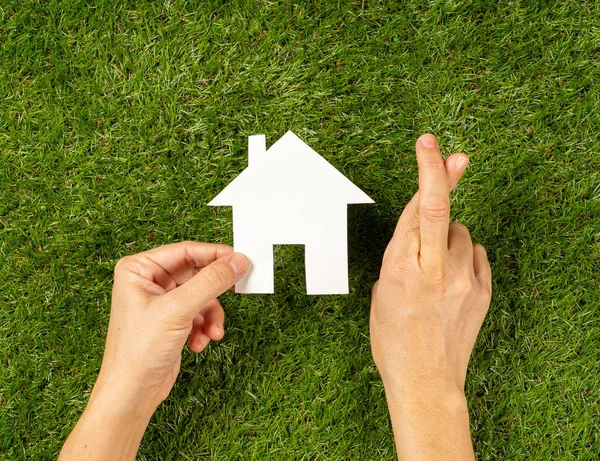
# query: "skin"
[[161, 299], [427, 308]]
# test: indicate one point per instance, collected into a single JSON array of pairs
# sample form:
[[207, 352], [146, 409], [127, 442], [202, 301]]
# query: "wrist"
[[120, 398], [428, 393], [430, 421]]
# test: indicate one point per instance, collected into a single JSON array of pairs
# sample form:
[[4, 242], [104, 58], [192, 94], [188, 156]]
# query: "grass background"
[[119, 121]]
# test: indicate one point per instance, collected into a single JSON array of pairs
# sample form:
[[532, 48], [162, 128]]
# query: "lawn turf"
[[119, 121]]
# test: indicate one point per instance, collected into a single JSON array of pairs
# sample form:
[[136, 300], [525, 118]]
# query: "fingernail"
[[461, 163], [239, 263], [220, 329], [429, 141]]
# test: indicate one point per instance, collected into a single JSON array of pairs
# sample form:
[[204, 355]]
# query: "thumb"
[[212, 281]]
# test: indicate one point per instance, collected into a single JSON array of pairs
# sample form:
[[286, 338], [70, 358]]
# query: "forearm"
[[110, 428], [430, 424]]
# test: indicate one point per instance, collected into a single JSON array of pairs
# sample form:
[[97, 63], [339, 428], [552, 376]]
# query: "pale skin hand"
[[161, 299], [427, 308]]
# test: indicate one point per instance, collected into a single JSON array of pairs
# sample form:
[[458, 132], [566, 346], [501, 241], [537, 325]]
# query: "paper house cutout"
[[291, 195]]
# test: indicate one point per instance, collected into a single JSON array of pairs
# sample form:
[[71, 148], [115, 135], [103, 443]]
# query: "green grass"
[[119, 121]]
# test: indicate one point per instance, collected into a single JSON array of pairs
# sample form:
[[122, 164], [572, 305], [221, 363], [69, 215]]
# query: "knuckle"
[[412, 222], [463, 285], [189, 246], [438, 281], [187, 252], [436, 208], [480, 252], [437, 277], [119, 266], [486, 292], [397, 270], [459, 228], [432, 163], [126, 263], [403, 236], [480, 249]]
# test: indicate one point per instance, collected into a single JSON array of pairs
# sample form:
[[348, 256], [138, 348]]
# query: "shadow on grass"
[[274, 341]]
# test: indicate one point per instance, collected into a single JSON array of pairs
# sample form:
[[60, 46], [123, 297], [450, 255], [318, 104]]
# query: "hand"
[[427, 308], [160, 298]]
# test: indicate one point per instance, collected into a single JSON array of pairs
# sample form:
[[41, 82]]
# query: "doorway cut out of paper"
[[290, 195]]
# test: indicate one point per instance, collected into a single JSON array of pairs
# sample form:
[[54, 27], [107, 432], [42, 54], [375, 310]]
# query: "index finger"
[[434, 199], [406, 241], [406, 234], [182, 260]]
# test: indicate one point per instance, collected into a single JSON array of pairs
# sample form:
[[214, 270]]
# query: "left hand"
[[160, 298]]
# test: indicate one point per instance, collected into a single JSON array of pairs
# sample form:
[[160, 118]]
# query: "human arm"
[[161, 299], [427, 308]]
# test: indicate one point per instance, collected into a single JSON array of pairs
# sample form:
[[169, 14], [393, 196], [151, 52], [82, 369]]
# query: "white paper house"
[[290, 195]]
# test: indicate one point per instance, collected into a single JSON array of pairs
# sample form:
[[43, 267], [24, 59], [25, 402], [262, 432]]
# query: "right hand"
[[434, 288]]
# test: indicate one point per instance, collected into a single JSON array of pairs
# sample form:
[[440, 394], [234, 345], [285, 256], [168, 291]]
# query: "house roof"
[[290, 172]]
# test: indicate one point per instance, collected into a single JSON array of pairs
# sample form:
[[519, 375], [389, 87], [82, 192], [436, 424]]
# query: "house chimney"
[[257, 148]]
